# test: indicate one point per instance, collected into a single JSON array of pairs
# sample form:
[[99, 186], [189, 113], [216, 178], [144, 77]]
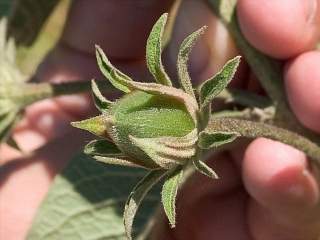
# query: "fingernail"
[[311, 10], [303, 191]]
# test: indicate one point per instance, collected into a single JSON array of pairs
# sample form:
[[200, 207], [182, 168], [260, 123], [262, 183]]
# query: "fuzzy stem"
[[32, 92], [251, 129]]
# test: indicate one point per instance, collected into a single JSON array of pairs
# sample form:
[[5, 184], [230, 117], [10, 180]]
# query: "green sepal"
[[169, 193], [120, 161], [209, 140], [96, 125], [115, 76], [107, 152], [137, 195], [101, 103], [204, 168], [154, 50], [163, 151], [183, 57], [213, 86]]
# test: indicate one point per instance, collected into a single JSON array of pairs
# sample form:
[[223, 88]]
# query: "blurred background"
[[36, 27]]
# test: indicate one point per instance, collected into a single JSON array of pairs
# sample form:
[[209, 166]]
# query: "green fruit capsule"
[[157, 129]]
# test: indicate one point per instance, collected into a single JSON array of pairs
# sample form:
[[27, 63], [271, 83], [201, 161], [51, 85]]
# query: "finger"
[[281, 29], [283, 191], [302, 81]]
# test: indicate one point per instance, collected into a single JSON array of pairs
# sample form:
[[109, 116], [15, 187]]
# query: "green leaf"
[[95, 125], [214, 139], [86, 201], [213, 86], [183, 57], [204, 168], [169, 193], [154, 50], [115, 76], [100, 101], [137, 195]]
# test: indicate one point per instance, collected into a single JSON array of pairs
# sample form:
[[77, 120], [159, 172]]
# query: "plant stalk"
[[29, 93], [251, 129]]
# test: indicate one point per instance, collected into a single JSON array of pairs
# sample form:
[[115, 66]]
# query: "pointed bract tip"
[[76, 124]]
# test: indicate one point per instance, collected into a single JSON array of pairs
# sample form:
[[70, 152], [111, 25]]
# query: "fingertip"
[[302, 82], [277, 177], [281, 29]]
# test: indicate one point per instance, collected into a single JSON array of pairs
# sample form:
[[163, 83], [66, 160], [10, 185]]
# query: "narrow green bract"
[[204, 168], [183, 57], [95, 125], [100, 101], [136, 197], [154, 50], [116, 77], [169, 193], [213, 139], [213, 86]]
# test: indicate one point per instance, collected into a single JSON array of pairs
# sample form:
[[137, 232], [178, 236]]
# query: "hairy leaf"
[[115, 76], [86, 202], [100, 101], [215, 139], [169, 193], [213, 86], [183, 57], [95, 125], [204, 168], [154, 50], [137, 195]]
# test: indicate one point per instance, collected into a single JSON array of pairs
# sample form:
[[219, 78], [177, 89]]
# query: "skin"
[[267, 190]]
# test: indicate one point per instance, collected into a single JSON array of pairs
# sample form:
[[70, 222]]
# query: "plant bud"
[[153, 127]]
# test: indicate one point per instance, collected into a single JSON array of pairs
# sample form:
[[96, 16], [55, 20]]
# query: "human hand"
[[258, 195]]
